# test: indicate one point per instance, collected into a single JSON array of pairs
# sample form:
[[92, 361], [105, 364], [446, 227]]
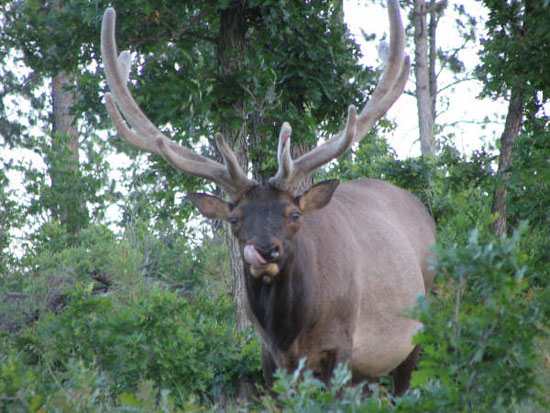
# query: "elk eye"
[[294, 216], [233, 220]]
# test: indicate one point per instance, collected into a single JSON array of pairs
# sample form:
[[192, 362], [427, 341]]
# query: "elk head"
[[263, 218], [265, 221]]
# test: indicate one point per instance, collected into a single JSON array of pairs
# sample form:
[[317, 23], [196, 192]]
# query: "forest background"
[[116, 296]]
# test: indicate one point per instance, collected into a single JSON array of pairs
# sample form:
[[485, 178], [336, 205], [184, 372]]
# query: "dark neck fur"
[[281, 306]]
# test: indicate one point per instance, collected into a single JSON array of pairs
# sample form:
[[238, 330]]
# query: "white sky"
[[465, 107]]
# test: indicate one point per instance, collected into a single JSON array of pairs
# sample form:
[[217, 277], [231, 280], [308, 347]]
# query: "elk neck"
[[282, 307]]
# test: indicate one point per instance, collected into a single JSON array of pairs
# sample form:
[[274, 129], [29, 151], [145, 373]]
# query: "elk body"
[[328, 271]]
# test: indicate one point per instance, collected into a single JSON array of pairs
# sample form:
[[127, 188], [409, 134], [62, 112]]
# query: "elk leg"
[[358, 380], [327, 363], [402, 374], [268, 366]]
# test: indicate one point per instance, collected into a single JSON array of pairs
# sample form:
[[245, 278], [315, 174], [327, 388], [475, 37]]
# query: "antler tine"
[[117, 81], [389, 88], [286, 164], [146, 136], [291, 173]]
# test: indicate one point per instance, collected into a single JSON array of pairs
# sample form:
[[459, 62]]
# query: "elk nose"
[[270, 251]]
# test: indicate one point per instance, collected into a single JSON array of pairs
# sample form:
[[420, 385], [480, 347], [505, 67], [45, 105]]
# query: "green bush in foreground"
[[151, 350], [301, 392], [479, 351], [186, 347]]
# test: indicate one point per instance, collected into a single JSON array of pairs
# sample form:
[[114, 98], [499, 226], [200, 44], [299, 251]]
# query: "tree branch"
[[194, 21]]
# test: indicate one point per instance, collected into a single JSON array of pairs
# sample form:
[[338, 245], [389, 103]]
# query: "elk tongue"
[[253, 257]]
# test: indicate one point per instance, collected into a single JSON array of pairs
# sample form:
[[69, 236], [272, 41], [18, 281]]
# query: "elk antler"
[[147, 137], [292, 172]]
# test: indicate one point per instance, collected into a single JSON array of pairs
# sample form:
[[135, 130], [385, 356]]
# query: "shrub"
[[301, 392], [187, 346], [479, 331]]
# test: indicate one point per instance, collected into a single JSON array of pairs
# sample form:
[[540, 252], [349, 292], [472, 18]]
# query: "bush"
[[78, 388], [479, 333], [185, 346], [301, 392]]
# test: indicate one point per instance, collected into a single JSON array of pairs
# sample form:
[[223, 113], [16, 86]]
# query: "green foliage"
[[10, 217], [115, 345], [53, 253], [17, 385], [301, 392], [311, 59], [479, 329], [138, 346], [529, 193], [137, 334], [530, 174], [181, 345], [78, 388], [40, 42], [515, 34]]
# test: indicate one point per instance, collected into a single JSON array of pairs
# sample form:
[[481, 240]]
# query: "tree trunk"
[[340, 7], [64, 123], [231, 48], [66, 200], [425, 76], [509, 135], [432, 56], [66, 196]]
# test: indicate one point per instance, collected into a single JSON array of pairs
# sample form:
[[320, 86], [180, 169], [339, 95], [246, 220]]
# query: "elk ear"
[[210, 206], [318, 196]]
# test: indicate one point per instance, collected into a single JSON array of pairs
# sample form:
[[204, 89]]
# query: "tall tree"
[[231, 50], [514, 67], [43, 38], [431, 61], [67, 204], [425, 52]]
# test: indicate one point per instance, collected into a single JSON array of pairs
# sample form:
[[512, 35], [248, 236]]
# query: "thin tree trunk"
[[231, 48], [426, 79], [423, 95], [63, 99], [432, 56], [66, 201], [509, 136], [64, 122], [512, 127]]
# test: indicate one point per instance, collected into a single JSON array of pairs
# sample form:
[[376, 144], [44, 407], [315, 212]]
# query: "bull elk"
[[328, 271]]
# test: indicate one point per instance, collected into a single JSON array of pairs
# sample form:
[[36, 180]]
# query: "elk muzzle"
[[261, 261]]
